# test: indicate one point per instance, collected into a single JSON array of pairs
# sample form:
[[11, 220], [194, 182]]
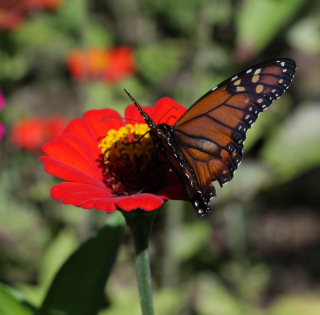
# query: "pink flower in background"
[[110, 65], [2, 127], [31, 133]]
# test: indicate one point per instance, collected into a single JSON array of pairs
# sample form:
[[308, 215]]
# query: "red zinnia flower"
[[111, 65], [33, 132], [14, 12], [108, 163], [46, 4]]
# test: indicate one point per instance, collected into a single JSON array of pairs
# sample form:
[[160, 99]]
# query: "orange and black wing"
[[210, 135]]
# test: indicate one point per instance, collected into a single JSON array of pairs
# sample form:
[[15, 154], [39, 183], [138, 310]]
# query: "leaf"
[[11, 302], [213, 297], [295, 148], [259, 21], [74, 14], [157, 71], [53, 258], [308, 303], [35, 40], [79, 285], [305, 35], [195, 235]]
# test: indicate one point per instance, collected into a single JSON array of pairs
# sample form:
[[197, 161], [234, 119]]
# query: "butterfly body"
[[170, 146], [206, 143]]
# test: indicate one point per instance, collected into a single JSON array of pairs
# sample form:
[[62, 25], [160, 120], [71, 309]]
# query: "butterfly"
[[206, 143]]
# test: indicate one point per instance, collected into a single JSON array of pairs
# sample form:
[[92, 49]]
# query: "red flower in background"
[[2, 127], [46, 4], [33, 132], [110, 65], [14, 12], [107, 163]]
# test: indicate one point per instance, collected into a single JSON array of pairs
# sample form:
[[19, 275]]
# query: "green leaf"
[[152, 64], [213, 297], [11, 302], [53, 258], [79, 285], [194, 234], [259, 21], [305, 35], [295, 148], [74, 14], [96, 35], [35, 40], [308, 303]]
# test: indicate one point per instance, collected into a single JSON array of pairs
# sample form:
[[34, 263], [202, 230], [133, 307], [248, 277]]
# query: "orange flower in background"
[[14, 12], [110, 65], [46, 4], [32, 132]]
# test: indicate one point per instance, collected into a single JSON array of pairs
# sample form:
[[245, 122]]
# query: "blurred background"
[[259, 251]]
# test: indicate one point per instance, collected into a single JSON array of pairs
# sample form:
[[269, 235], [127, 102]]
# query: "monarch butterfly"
[[206, 143]]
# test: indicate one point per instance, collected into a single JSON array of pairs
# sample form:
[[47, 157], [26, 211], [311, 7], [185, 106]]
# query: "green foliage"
[[295, 148], [11, 302], [83, 276], [208, 288], [158, 60], [74, 14], [305, 35], [13, 67], [260, 21], [194, 234], [53, 258], [42, 34], [296, 305]]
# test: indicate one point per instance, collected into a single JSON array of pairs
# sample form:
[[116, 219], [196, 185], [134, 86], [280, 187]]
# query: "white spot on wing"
[[234, 78], [257, 71]]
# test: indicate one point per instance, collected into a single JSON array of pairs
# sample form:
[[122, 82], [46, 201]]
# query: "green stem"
[[140, 222]]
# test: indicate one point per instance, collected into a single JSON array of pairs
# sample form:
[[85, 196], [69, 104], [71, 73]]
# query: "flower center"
[[131, 162]]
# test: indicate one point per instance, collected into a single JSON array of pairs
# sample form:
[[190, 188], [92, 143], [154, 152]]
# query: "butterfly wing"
[[210, 135]]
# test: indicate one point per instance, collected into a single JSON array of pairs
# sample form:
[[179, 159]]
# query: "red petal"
[[66, 172], [133, 115], [74, 153], [102, 120], [80, 129], [147, 202], [168, 111], [85, 196]]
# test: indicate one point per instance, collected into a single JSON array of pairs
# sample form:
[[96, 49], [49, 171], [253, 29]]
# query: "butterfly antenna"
[[133, 99], [144, 115]]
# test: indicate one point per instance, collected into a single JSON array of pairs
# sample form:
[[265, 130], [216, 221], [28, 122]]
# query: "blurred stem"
[[170, 272], [140, 223]]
